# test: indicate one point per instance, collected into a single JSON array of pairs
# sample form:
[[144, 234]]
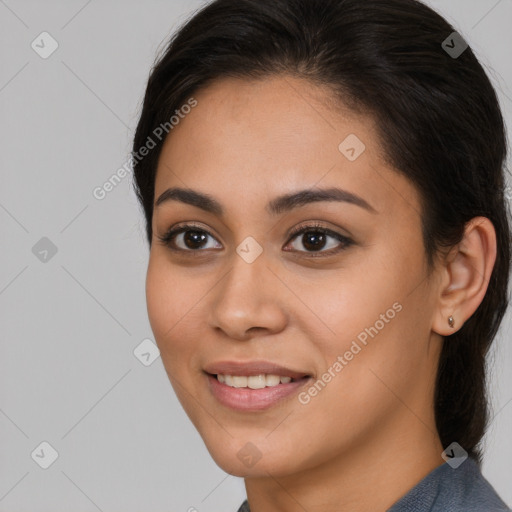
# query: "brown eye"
[[316, 239], [186, 238], [194, 239]]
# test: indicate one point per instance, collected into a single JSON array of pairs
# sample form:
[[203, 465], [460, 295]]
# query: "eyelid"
[[311, 225]]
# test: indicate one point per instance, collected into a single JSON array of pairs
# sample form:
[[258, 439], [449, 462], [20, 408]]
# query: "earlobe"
[[467, 271]]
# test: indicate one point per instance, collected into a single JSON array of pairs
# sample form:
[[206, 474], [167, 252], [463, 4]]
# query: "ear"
[[465, 276]]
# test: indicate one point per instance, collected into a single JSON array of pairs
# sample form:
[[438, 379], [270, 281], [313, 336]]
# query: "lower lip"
[[246, 399]]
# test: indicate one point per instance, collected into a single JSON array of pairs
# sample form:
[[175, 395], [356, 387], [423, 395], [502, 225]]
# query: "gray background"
[[70, 324]]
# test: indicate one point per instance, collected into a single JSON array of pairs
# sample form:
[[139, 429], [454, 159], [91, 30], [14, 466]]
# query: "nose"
[[247, 300]]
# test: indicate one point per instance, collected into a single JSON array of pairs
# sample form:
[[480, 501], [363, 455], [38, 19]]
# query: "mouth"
[[253, 386]]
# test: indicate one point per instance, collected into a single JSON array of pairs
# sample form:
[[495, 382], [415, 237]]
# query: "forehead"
[[274, 110], [274, 135]]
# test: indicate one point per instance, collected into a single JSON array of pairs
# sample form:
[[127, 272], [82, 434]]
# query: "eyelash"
[[346, 242]]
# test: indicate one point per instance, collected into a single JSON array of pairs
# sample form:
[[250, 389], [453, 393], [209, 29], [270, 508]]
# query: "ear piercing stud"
[[451, 321]]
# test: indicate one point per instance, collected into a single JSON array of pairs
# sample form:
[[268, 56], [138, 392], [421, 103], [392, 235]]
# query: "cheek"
[[168, 307], [350, 302], [159, 298], [370, 319]]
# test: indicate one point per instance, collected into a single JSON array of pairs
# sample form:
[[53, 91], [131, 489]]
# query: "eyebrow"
[[277, 206]]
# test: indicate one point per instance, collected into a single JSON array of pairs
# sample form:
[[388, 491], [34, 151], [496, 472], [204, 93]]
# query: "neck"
[[370, 477]]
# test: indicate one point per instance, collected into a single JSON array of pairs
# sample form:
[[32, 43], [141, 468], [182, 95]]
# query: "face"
[[318, 306]]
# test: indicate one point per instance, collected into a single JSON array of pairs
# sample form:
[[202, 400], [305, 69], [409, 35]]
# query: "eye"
[[193, 238], [314, 239]]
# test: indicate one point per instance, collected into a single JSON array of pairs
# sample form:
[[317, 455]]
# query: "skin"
[[369, 435]]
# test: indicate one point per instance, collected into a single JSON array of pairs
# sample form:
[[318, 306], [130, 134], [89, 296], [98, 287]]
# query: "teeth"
[[272, 380], [240, 382], [254, 381]]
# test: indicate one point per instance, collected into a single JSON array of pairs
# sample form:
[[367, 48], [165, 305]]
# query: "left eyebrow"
[[288, 202], [277, 206]]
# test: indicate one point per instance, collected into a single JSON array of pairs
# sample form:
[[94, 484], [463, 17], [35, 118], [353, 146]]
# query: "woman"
[[323, 188]]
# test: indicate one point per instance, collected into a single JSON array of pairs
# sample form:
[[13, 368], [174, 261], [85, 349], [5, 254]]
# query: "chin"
[[246, 460]]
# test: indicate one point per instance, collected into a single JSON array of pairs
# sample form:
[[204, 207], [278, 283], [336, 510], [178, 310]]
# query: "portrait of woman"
[[326, 212], [257, 256], [329, 249]]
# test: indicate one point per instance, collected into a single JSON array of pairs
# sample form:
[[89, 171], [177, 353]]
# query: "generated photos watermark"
[[355, 348], [100, 192]]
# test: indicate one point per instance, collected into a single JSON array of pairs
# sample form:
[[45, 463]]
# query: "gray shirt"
[[446, 489]]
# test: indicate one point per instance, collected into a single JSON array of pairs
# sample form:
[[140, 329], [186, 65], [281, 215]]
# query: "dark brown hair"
[[437, 115]]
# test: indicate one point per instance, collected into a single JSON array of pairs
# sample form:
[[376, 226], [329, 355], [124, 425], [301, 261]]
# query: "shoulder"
[[244, 507], [447, 489]]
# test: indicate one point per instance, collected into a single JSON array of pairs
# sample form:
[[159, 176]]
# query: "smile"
[[255, 385]]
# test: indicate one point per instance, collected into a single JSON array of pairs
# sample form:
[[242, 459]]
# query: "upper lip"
[[249, 368]]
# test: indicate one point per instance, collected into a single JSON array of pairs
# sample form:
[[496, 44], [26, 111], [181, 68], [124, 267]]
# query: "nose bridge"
[[244, 283], [244, 297]]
